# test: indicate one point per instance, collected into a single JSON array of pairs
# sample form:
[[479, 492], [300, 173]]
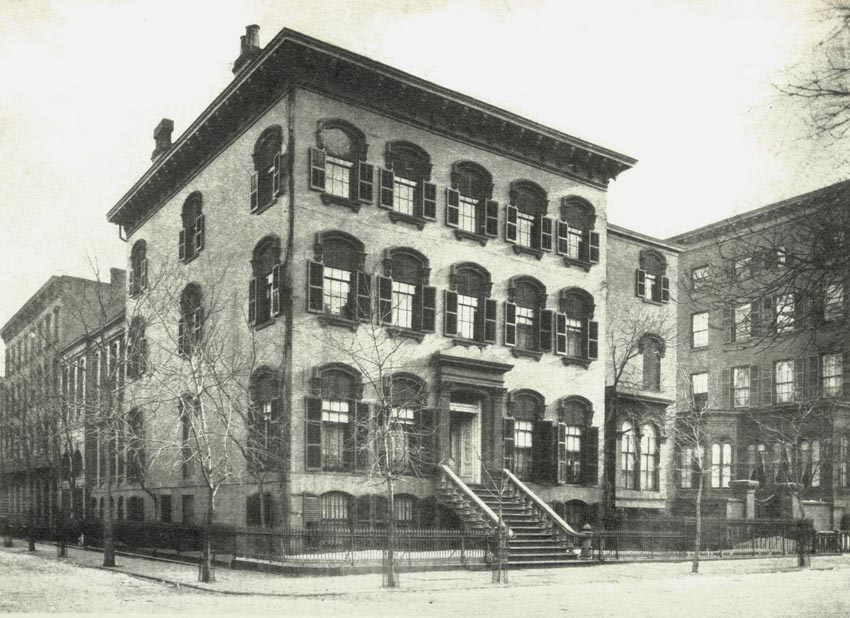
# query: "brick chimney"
[[162, 138], [249, 47]]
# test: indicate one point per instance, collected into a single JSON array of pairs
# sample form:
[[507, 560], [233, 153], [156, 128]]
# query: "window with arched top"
[[652, 349], [576, 332], [191, 238], [469, 204], [138, 269], [528, 324], [628, 456], [264, 418], [264, 300], [338, 285], [190, 329], [404, 184], [405, 300], [266, 182], [526, 435], [810, 463], [409, 424], [576, 240], [651, 282], [469, 312], [578, 442], [137, 348], [338, 165], [649, 458], [335, 507], [526, 223], [721, 464]]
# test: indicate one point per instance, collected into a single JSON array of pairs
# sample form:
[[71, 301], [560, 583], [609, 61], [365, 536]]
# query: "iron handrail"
[[473, 497], [542, 506]]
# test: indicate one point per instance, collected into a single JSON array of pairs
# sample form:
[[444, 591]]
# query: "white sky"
[[686, 87]]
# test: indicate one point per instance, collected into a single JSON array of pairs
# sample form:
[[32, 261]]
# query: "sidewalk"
[[229, 581]]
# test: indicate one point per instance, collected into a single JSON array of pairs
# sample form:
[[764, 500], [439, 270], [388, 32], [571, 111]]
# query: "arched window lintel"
[[357, 137]]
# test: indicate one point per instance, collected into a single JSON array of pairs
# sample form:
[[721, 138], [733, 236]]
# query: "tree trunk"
[[389, 566], [205, 574], [698, 525], [803, 553]]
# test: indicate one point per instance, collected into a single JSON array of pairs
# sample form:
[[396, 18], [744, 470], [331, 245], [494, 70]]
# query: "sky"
[[689, 88]]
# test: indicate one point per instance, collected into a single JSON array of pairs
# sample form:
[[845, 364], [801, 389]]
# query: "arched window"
[[265, 181], [577, 241], [576, 332], [264, 289], [264, 419], [338, 165], [628, 456], [470, 313], [190, 330], [333, 415], [335, 508], [137, 348], [77, 464], [136, 508], [529, 444], [135, 444], [409, 424], [469, 206], [652, 348], [138, 269], [810, 463], [721, 464], [528, 324], [649, 458], [337, 283], [192, 233], [404, 184], [692, 466], [651, 282], [404, 298], [526, 224], [578, 442]]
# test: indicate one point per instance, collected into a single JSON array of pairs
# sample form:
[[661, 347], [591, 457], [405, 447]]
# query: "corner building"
[[326, 202]]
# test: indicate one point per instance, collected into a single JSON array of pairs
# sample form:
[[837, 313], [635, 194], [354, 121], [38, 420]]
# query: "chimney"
[[162, 138], [249, 47]]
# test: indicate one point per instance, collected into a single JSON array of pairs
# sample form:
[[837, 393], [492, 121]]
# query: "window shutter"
[[452, 208], [252, 301], [754, 386], [561, 455], [429, 308], [510, 223], [543, 447], [545, 332], [726, 389], [489, 320], [317, 169], [491, 218], [199, 233], [365, 182], [364, 296], [312, 510], [510, 324], [594, 247], [546, 233], [385, 300], [755, 319], [640, 283], [276, 305], [560, 333], [255, 196], [767, 316], [665, 290], [799, 378], [728, 325], [429, 200], [387, 188], [313, 428], [767, 384], [812, 377], [562, 232], [592, 340], [424, 457], [276, 175], [450, 313], [315, 287], [360, 436], [181, 247], [508, 443], [591, 460]]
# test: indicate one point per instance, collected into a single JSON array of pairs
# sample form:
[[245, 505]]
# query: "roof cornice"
[[616, 230]]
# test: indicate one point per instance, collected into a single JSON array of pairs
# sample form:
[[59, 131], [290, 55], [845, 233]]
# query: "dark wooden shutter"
[[452, 208], [387, 188], [276, 175], [181, 247], [812, 377], [755, 319], [799, 378], [640, 283], [428, 296], [510, 324], [665, 290], [594, 247], [491, 218], [365, 182], [276, 304], [561, 455], [255, 196], [543, 449], [508, 443], [590, 448], [728, 324], [429, 200], [317, 169], [450, 313], [252, 301], [199, 233], [562, 232], [424, 457], [385, 300], [313, 431], [768, 316], [545, 331], [360, 436], [315, 287], [489, 320], [312, 510], [592, 339], [510, 223], [767, 384], [364, 296], [726, 389], [560, 333], [754, 386], [546, 233]]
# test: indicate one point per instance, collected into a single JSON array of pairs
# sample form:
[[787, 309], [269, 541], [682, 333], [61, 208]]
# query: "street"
[[43, 584]]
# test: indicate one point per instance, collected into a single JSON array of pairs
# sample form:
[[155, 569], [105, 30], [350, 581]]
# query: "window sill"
[[406, 333], [264, 324], [523, 250], [328, 199], [464, 235], [469, 343], [190, 258], [520, 353], [396, 216], [583, 264], [698, 348], [266, 206], [327, 319], [649, 301], [574, 360]]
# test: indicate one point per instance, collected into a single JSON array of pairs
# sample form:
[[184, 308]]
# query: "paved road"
[[38, 584]]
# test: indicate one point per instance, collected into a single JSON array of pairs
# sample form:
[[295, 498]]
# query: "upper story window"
[[699, 390], [528, 437], [743, 322], [405, 299], [337, 283], [266, 182], [192, 233], [652, 348], [528, 324], [469, 206], [699, 278], [699, 330], [628, 456], [833, 303], [783, 382], [526, 223], [576, 332], [576, 240], [784, 312], [832, 375], [470, 313], [721, 464], [649, 458], [138, 270], [744, 385], [651, 282], [137, 348], [405, 185], [410, 429], [742, 268], [264, 419], [190, 329], [264, 301], [338, 165]]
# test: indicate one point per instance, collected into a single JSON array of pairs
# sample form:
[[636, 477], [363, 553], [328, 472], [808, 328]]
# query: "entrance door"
[[465, 441]]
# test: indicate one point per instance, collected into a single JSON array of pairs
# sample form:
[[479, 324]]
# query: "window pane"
[[338, 176], [524, 225], [832, 374], [741, 386], [525, 328], [467, 307], [784, 381], [743, 321], [699, 329], [336, 289], [467, 207], [523, 434], [403, 296]]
